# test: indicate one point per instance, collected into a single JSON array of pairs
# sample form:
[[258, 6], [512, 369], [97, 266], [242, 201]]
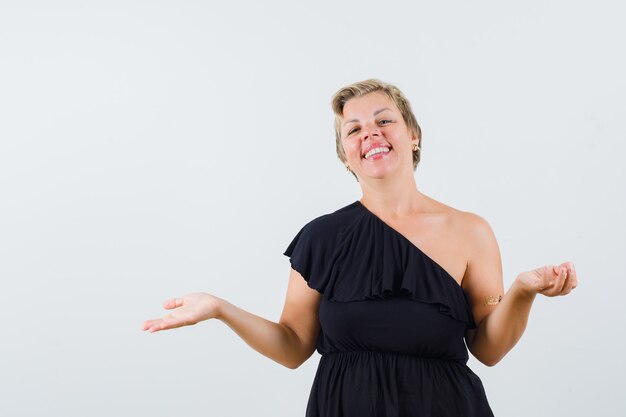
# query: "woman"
[[391, 288]]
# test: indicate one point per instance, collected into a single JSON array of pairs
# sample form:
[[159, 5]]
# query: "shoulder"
[[326, 228], [475, 227], [471, 225], [483, 274], [471, 230], [478, 237], [330, 222], [465, 221], [317, 241]]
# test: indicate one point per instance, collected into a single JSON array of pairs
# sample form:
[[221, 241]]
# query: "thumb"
[[172, 303], [546, 277]]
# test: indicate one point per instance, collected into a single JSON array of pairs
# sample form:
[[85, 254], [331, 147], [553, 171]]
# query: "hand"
[[189, 309], [549, 280]]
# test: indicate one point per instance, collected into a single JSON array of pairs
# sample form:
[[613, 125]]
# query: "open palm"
[[187, 310]]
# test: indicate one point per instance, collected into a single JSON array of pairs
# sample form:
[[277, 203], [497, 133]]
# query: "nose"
[[370, 130]]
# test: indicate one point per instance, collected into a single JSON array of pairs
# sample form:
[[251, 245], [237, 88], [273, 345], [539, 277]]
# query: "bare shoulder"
[[474, 226], [465, 223], [483, 276], [470, 235], [477, 236]]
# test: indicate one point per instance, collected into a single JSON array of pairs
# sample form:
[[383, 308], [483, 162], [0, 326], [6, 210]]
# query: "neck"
[[392, 198]]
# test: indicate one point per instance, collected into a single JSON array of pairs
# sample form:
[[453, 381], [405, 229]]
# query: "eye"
[[353, 130], [384, 122]]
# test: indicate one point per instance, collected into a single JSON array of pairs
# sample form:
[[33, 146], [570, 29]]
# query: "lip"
[[375, 145], [377, 156]]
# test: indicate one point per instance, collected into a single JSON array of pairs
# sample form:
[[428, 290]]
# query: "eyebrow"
[[375, 114]]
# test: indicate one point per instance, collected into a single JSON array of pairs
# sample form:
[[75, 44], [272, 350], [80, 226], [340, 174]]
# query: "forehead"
[[366, 105]]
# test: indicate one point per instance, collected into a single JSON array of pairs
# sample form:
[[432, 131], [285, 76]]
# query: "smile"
[[376, 151]]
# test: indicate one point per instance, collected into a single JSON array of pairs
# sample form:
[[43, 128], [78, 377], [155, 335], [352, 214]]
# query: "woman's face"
[[373, 123]]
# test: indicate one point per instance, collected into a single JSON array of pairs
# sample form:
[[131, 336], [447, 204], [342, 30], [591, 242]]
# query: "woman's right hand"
[[188, 310]]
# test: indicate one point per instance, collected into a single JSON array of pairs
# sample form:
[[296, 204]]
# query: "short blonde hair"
[[362, 88]]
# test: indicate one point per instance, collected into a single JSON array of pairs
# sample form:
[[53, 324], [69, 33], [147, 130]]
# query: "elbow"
[[487, 358], [490, 360], [292, 364], [490, 363], [295, 360]]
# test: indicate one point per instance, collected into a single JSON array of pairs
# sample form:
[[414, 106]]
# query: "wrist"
[[221, 308], [521, 288]]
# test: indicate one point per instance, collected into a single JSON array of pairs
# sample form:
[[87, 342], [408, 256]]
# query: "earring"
[[416, 147], [350, 171]]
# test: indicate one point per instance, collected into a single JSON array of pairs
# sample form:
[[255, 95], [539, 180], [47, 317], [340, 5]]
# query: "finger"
[[549, 278], [573, 275], [155, 325], [159, 325], [572, 280], [559, 282], [148, 323], [171, 321], [551, 281], [567, 288], [173, 303]]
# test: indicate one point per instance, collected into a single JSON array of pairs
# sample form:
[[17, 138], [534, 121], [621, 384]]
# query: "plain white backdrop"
[[150, 149]]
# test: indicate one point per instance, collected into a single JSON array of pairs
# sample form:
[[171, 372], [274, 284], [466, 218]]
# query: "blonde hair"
[[362, 88]]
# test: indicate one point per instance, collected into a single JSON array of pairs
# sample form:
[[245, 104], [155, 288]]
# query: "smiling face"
[[375, 139]]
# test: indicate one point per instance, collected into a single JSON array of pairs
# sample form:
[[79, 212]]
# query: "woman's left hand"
[[549, 280]]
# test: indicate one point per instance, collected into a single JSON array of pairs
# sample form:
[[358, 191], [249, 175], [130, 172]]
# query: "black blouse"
[[392, 323]]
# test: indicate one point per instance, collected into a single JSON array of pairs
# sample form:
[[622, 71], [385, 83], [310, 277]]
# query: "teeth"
[[375, 151]]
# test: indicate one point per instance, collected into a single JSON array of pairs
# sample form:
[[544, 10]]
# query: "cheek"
[[350, 147]]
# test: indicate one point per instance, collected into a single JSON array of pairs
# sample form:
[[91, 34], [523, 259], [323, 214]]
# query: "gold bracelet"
[[492, 301]]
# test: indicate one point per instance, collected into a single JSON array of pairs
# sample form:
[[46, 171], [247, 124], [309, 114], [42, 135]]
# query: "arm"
[[500, 325], [289, 342]]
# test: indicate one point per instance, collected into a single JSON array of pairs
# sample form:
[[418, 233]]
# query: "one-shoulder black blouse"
[[392, 323]]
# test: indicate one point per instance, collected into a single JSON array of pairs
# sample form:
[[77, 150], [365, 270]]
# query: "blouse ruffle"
[[352, 255]]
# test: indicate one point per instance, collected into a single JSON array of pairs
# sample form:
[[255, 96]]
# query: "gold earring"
[[416, 147]]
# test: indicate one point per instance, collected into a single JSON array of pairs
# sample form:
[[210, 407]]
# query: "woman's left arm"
[[501, 319]]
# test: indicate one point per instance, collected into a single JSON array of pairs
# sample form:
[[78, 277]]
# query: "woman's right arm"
[[289, 342]]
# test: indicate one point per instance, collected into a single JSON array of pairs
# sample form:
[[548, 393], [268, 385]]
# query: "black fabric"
[[392, 323]]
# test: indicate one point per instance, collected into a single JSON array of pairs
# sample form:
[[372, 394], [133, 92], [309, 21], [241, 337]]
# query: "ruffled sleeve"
[[311, 253]]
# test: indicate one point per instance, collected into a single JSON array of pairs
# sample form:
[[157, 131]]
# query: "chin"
[[379, 172]]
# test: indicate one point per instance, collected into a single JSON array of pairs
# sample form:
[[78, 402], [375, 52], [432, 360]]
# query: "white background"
[[150, 149]]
